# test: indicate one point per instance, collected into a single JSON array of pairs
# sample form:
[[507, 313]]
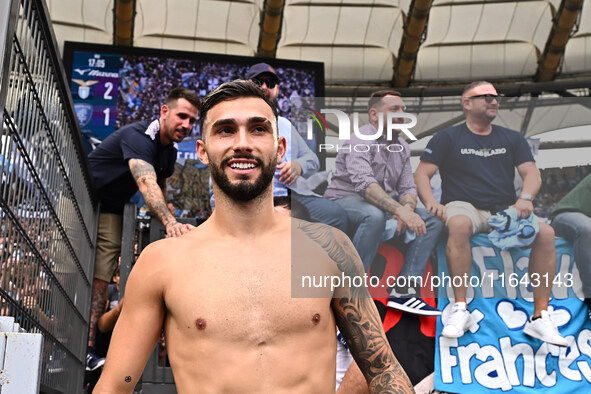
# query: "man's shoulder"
[[143, 130], [451, 131], [504, 131]]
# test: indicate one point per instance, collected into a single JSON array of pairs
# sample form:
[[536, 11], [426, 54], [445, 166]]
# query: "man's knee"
[[545, 237], [546, 233], [459, 227], [584, 229]]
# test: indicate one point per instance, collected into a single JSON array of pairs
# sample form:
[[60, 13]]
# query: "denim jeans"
[[324, 211], [371, 222], [576, 228]]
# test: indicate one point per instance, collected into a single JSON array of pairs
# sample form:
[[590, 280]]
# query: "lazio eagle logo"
[[84, 88]]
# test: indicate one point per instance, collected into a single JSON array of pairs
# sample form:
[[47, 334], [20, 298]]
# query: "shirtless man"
[[224, 290]]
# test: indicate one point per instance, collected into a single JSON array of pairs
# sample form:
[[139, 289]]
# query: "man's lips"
[[242, 165]]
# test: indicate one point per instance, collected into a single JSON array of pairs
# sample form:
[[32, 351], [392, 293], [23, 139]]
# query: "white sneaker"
[[545, 330], [458, 321]]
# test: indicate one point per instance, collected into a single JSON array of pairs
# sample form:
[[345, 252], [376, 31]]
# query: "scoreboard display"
[[112, 86], [94, 85]]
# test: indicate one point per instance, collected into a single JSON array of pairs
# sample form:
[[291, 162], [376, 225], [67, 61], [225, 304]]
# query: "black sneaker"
[[93, 362], [413, 305]]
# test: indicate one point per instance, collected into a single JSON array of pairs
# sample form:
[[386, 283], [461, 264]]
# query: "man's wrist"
[[409, 204], [398, 209], [171, 223], [525, 196]]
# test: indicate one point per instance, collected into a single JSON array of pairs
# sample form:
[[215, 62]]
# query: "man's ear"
[[466, 104], [281, 148], [201, 153], [164, 111], [373, 115]]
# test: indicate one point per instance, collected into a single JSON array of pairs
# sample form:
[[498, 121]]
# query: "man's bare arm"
[[358, 318], [147, 183], [423, 175], [378, 197], [138, 326], [404, 210], [532, 181]]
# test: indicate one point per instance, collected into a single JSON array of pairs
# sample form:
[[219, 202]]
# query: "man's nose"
[[242, 141], [187, 124]]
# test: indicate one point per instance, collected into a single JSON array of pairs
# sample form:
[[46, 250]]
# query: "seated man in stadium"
[[571, 219], [477, 163], [245, 249], [364, 183]]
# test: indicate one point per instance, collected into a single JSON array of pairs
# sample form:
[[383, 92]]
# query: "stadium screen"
[[113, 86]]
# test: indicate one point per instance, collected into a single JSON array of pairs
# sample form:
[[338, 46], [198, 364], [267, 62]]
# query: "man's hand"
[[412, 221], [176, 229], [289, 171], [401, 226], [524, 208], [437, 209]]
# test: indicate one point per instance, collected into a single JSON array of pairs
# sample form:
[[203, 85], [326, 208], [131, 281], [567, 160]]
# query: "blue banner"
[[494, 355]]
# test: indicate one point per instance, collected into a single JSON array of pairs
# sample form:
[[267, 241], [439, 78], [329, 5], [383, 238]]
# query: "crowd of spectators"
[[556, 182], [146, 80]]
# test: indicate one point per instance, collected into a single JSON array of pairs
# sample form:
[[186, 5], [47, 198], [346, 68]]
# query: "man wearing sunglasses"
[[477, 163], [299, 160]]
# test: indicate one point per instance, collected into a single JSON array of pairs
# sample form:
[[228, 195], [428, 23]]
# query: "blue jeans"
[[371, 222], [576, 228], [324, 211]]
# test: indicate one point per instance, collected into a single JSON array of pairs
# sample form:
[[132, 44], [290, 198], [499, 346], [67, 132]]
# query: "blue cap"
[[260, 68]]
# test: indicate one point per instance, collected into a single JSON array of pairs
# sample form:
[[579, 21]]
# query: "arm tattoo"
[[358, 318], [378, 197], [147, 182], [409, 200]]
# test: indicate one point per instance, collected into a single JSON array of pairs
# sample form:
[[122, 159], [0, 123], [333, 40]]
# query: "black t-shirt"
[[478, 169], [110, 168]]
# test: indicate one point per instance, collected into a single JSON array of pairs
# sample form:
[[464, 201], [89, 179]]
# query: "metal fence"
[[47, 206]]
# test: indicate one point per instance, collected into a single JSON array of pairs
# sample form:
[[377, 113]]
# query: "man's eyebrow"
[[259, 119], [223, 122], [232, 121]]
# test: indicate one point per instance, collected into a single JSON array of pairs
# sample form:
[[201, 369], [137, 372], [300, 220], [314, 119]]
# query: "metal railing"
[[47, 206]]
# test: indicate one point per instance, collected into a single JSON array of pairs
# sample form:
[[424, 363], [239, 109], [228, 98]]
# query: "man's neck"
[[479, 127], [244, 219], [162, 136]]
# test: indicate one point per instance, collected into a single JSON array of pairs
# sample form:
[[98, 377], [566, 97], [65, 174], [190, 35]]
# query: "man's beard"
[[243, 190]]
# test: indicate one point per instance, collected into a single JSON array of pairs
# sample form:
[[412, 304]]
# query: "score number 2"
[[107, 96]]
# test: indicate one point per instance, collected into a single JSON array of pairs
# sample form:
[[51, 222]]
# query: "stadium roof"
[[401, 43], [426, 48]]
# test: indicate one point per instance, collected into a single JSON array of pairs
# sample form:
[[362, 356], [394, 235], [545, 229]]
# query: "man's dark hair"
[[296, 208], [282, 201], [182, 93], [228, 91], [377, 96], [472, 85]]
